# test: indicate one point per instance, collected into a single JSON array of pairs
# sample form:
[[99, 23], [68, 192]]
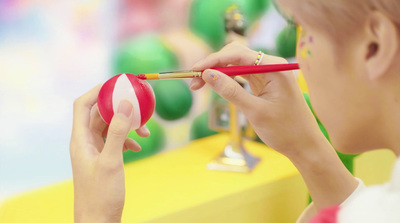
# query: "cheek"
[[304, 53], [316, 64], [317, 67]]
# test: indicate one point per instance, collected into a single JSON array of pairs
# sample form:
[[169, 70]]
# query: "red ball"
[[127, 86]]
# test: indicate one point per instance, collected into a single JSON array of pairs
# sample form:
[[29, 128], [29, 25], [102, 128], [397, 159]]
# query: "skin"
[[280, 116], [98, 171], [357, 96], [354, 87]]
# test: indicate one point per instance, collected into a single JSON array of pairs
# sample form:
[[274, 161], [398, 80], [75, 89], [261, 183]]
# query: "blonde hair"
[[340, 17]]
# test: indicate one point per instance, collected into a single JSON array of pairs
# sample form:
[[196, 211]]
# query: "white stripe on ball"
[[123, 89]]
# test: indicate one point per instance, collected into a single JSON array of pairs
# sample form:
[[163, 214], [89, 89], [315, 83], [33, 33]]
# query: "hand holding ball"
[[129, 87]]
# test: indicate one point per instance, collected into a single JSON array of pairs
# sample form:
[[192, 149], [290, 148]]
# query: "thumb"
[[118, 130], [228, 88]]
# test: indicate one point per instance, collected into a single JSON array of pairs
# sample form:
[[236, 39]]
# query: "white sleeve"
[[378, 203], [311, 211]]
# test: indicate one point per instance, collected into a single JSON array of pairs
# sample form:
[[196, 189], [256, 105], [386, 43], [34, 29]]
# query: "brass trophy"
[[225, 117]]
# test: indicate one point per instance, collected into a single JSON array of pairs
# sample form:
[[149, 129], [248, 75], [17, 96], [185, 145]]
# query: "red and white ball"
[[127, 86]]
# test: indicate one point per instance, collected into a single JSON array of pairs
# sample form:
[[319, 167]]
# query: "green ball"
[[150, 145], [200, 128], [144, 54], [207, 17], [207, 21], [173, 99], [286, 42], [254, 9]]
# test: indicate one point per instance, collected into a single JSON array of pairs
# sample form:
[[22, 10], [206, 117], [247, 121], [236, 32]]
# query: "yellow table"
[[175, 187]]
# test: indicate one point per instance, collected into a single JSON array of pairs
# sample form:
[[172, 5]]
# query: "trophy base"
[[233, 161]]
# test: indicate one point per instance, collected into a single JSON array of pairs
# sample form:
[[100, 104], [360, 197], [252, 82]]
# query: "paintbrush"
[[230, 71]]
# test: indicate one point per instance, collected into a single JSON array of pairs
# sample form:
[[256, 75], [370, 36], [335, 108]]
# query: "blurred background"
[[51, 52]]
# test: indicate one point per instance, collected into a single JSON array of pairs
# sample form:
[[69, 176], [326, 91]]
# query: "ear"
[[383, 45]]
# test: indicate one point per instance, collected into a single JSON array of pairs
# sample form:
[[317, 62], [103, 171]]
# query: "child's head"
[[349, 52], [344, 15]]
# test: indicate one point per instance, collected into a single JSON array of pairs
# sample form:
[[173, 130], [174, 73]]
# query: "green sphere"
[[254, 9], [207, 17], [200, 128], [286, 42], [144, 54], [173, 99], [207, 21], [150, 145]]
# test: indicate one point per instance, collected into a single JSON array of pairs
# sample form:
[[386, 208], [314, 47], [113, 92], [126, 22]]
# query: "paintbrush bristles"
[[142, 76]]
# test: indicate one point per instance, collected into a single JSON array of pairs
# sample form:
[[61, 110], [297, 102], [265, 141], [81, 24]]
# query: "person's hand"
[[98, 172], [279, 114], [276, 110]]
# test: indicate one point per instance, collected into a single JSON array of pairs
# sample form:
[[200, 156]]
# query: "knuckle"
[[227, 46], [74, 149], [109, 166], [229, 91], [282, 60], [213, 56], [77, 103], [116, 131], [235, 43]]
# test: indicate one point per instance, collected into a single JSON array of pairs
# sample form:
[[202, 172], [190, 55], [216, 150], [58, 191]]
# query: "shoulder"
[[311, 213], [375, 204]]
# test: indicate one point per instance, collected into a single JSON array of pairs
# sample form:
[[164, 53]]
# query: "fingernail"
[[210, 76], [125, 108], [191, 85], [147, 131]]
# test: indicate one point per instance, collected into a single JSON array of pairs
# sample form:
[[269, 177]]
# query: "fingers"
[[268, 59], [132, 145], [143, 131], [97, 124], [229, 89], [233, 53], [118, 131], [196, 84], [82, 109]]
